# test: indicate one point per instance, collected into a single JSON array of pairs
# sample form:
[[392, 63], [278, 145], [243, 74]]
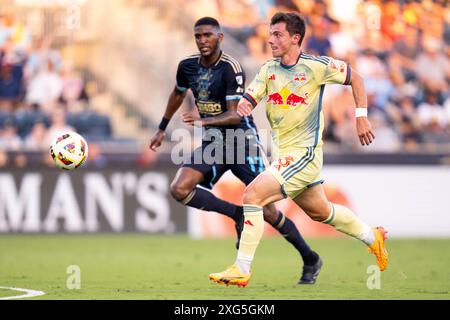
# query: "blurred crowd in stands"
[[401, 48], [41, 94]]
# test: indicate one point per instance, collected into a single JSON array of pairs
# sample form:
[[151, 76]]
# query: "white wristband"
[[360, 112]]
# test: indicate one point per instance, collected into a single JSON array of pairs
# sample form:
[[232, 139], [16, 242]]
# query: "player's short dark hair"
[[208, 21], [295, 24]]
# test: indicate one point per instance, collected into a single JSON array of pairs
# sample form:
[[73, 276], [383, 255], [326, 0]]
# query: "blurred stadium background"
[[105, 68]]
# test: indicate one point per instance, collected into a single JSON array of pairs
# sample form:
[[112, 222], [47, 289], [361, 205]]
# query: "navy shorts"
[[246, 162]]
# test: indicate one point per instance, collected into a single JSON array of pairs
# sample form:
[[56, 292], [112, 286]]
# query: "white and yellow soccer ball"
[[69, 150]]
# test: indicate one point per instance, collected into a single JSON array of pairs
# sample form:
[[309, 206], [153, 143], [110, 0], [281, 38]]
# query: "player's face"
[[280, 40], [208, 39]]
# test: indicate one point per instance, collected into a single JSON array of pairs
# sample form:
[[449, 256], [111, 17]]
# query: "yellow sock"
[[344, 220], [251, 235]]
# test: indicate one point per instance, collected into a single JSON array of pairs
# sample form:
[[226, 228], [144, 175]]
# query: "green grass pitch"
[[138, 266]]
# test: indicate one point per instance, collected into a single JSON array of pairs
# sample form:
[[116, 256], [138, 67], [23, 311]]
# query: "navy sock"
[[291, 233], [203, 199]]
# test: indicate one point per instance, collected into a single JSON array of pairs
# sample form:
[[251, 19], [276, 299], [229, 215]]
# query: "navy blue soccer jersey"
[[213, 86]]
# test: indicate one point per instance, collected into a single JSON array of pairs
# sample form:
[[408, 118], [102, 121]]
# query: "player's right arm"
[[254, 93], [175, 100], [244, 108]]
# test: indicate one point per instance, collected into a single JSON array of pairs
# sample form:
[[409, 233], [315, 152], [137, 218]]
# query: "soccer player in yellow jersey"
[[293, 84]]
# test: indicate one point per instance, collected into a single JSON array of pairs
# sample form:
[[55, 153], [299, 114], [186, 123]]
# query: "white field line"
[[28, 293]]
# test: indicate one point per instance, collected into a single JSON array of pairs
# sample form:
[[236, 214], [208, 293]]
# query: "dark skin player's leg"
[[186, 179], [270, 213], [185, 189]]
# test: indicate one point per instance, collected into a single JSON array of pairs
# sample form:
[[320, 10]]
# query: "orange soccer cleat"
[[378, 248], [231, 276]]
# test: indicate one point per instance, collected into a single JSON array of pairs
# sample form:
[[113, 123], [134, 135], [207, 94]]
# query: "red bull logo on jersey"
[[294, 100], [285, 99], [275, 98], [300, 77]]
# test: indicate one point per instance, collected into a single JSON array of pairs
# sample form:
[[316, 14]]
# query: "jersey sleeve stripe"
[[231, 64], [181, 89], [192, 56], [233, 97], [322, 58], [314, 59], [236, 65], [250, 99], [348, 76]]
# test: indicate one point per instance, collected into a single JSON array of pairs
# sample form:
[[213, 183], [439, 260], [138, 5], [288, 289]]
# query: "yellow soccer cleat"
[[231, 276], [378, 249]]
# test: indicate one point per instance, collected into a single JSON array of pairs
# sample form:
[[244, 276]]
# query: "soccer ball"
[[69, 151]]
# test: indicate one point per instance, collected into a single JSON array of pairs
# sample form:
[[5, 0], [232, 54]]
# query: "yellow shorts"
[[297, 170]]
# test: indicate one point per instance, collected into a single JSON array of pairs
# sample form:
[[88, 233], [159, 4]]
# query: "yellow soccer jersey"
[[294, 97]]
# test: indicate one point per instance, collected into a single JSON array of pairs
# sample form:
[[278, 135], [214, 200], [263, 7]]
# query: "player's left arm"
[[229, 117], [336, 71], [363, 126]]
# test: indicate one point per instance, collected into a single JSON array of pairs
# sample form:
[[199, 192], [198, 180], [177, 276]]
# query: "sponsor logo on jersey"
[[286, 99], [294, 100], [300, 77], [210, 108], [275, 98]]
